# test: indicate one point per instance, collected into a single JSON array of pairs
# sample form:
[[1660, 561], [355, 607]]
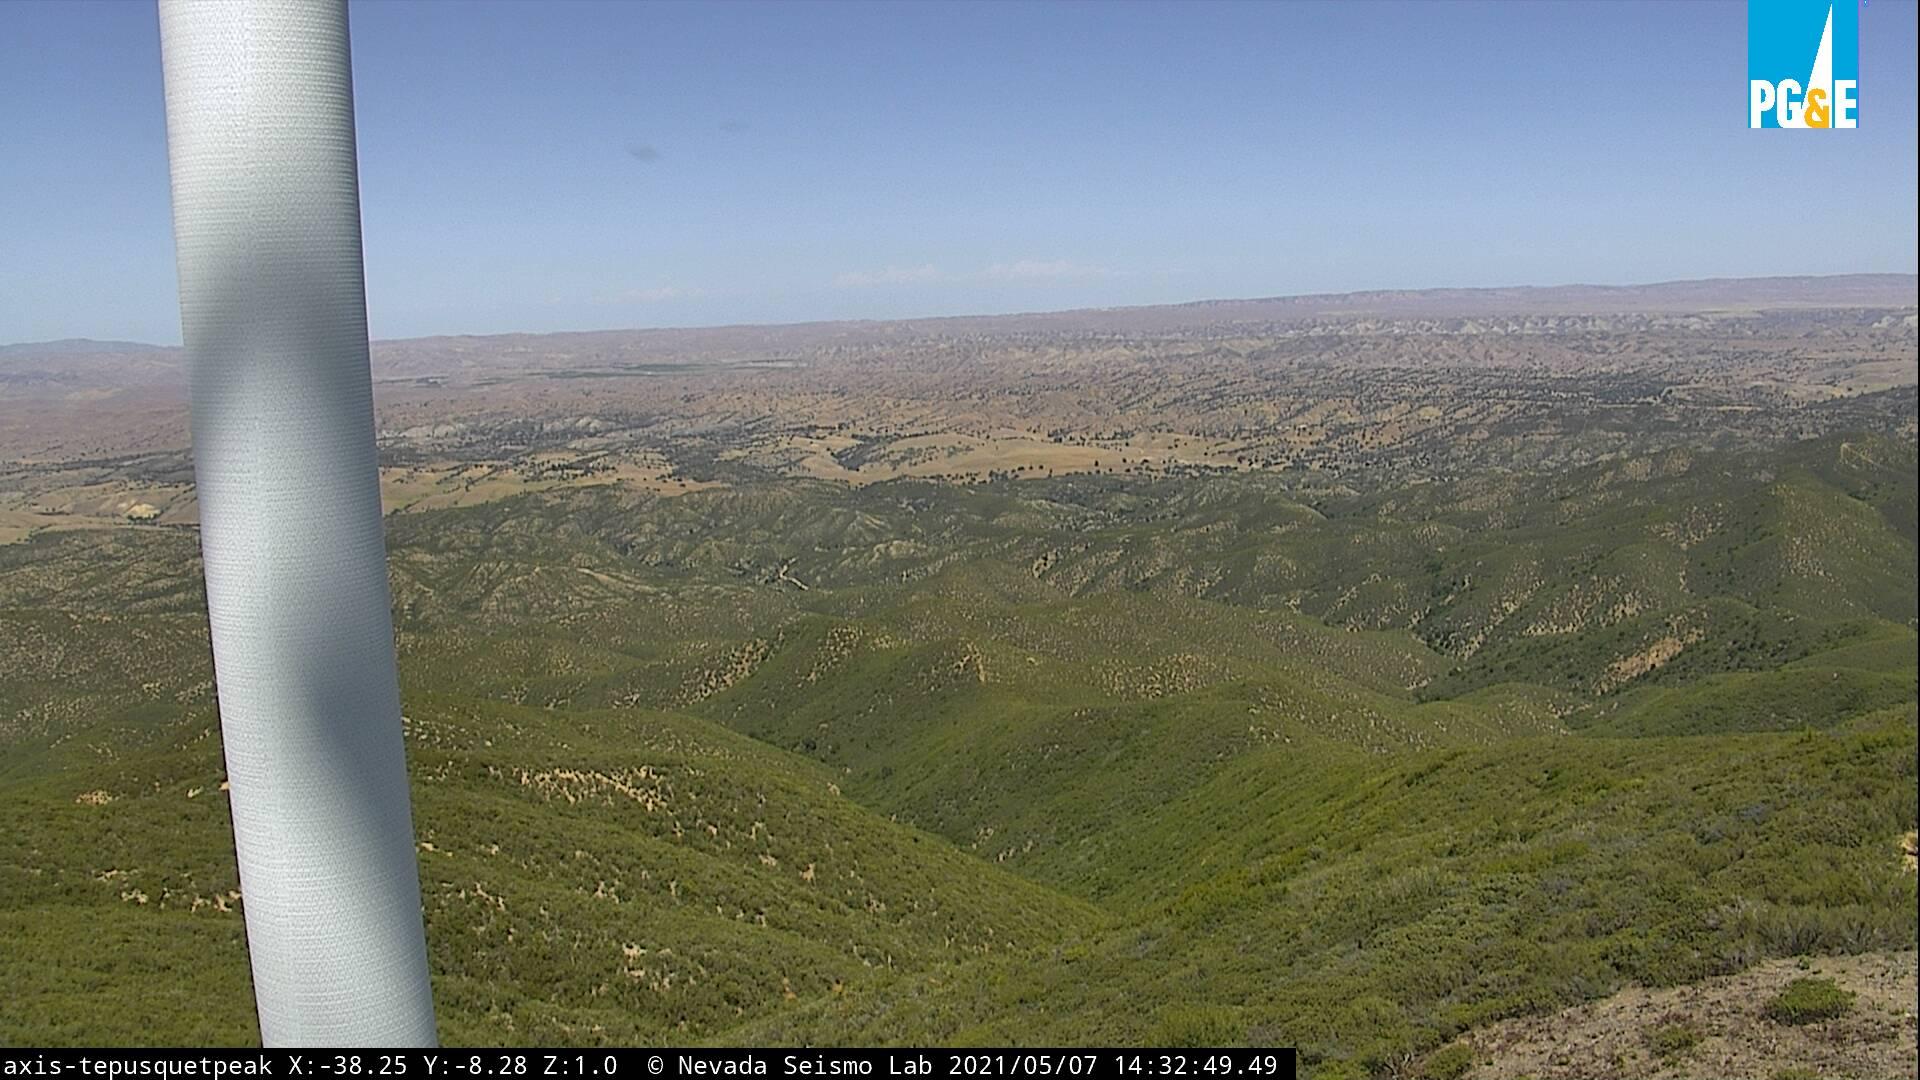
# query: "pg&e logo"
[[1803, 64]]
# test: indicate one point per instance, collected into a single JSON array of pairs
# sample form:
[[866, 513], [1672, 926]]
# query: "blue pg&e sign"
[[1803, 64]]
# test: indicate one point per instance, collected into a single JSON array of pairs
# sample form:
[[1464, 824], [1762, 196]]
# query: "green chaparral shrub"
[[1195, 1026], [1672, 1040], [1806, 1001], [1450, 1062]]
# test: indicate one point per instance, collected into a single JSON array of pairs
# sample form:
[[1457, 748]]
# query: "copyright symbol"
[[655, 1064]]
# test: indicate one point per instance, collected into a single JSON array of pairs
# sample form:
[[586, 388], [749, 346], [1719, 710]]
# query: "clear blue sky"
[[553, 165]]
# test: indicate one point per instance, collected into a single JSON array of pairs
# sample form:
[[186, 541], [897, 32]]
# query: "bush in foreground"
[[1805, 1001]]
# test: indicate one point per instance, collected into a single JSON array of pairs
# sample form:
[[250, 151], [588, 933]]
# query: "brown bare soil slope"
[[1622, 1035]]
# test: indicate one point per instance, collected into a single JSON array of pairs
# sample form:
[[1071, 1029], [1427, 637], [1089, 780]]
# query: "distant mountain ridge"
[[1696, 294], [79, 347], [1667, 297]]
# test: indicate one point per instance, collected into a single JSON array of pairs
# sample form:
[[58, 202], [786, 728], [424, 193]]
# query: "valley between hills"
[[1486, 683]]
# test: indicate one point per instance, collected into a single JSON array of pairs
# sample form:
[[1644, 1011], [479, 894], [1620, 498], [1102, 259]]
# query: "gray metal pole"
[[266, 214]]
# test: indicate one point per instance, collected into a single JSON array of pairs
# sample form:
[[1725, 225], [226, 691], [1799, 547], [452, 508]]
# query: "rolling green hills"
[[1181, 759], [590, 876]]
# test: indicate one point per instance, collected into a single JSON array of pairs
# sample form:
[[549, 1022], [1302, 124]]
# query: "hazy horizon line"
[[1371, 292]]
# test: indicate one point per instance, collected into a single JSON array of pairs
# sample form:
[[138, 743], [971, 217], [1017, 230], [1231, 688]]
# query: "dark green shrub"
[[1672, 1040], [1805, 1001], [1449, 1062], [1195, 1026]]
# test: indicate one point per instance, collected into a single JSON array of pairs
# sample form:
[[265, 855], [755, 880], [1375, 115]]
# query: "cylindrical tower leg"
[[266, 210]]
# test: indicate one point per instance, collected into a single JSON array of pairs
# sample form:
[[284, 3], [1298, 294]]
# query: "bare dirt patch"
[[1618, 1036]]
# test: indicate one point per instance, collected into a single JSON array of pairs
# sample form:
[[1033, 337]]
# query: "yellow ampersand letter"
[[1817, 113]]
